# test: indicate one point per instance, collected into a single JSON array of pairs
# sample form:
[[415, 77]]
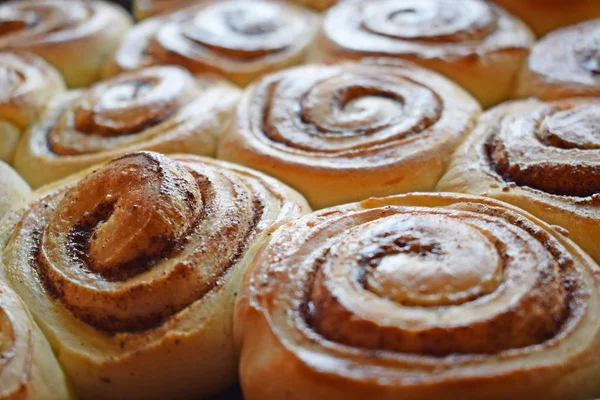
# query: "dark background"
[[124, 3]]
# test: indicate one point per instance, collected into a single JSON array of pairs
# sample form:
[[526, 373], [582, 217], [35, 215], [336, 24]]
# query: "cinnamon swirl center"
[[336, 110], [131, 104], [554, 147], [421, 282], [426, 261], [242, 30], [136, 242], [430, 21]]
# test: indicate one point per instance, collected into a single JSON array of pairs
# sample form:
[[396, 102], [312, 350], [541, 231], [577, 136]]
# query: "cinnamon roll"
[[544, 16], [75, 36], [478, 45], [13, 189], [28, 369], [421, 296], [346, 132], [131, 270], [26, 84], [147, 8], [541, 156], [565, 63], [162, 108], [240, 39]]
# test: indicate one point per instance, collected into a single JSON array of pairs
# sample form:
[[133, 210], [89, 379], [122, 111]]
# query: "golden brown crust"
[[136, 264], [162, 109], [239, 39], [565, 63], [76, 37], [27, 83], [28, 369], [350, 131], [317, 4], [419, 296], [478, 45], [544, 16], [540, 156]]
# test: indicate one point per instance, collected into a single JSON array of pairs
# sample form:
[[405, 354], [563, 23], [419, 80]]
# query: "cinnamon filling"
[[111, 113], [103, 245], [555, 152], [428, 20], [243, 31], [442, 282], [333, 110], [90, 114]]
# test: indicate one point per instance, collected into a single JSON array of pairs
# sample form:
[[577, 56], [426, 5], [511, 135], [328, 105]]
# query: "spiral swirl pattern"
[[417, 296], [544, 157], [26, 84], [75, 36], [240, 39], [158, 108], [565, 63], [133, 256], [28, 369], [478, 45], [144, 215], [148, 8], [371, 123]]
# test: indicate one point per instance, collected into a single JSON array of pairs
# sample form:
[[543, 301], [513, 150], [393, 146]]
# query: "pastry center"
[[429, 20], [10, 79], [131, 212], [432, 261], [577, 127], [253, 21], [244, 29], [128, 105]]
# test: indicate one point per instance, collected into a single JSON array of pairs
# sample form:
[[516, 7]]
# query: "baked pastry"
[[28, 369], [240, 39], [146, 8], [565, 63], [131, 270], [75, 36], [143, 9], [421, 296], [544, 16], [162, 108], [346, 132], [542, 157], [478, 45], [317, 4], [13, 189], [26, 84]]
